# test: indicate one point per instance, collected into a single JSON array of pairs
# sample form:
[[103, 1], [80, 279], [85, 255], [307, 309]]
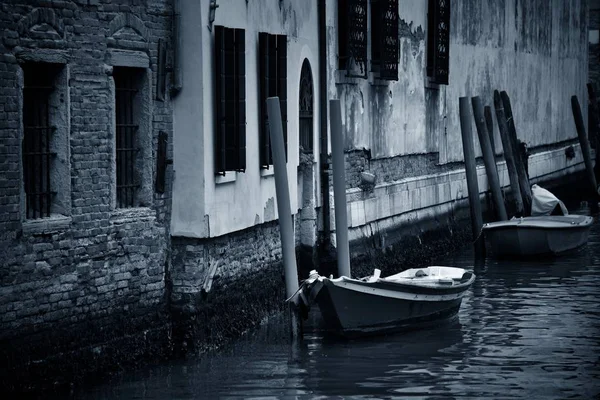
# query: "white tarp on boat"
[[543, 202]]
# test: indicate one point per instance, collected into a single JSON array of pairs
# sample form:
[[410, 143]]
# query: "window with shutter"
[[352, 37], [272, 82], [388, 40], [230, 100], [438, 41]]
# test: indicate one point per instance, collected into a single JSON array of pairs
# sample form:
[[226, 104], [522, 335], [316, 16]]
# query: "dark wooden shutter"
[[353, 37], [161, 162], [389, 46], [438, 40], [282, 84], [231, 116], [272, 87], [161, 67], [240, 98], [263, 77], [220, 107]]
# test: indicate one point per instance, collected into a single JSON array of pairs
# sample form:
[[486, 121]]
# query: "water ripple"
[[525, 330]]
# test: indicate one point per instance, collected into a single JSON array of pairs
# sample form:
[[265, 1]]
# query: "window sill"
[[266, 172], [374, 79], [137, 214], [230, 176], [431, 84], [54, 223], [342, 79]]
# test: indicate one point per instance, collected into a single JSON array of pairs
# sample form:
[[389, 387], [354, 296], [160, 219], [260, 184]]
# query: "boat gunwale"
[[407, 289], [559, 226]]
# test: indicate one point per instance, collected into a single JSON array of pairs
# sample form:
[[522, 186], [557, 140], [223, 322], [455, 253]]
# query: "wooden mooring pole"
[[489, 123], [339, 188], [286, 226], [508, 153], [488, 158], [471, 172], [585, 144], [520, 161]]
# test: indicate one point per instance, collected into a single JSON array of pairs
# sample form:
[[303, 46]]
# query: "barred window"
[[272, 77], [384, 38], [352, 37], [45, 171], [438, 41], [128, 83], [230, 92], [306, 108]]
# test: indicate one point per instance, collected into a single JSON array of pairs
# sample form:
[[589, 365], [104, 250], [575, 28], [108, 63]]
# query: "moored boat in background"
[[537, 236]]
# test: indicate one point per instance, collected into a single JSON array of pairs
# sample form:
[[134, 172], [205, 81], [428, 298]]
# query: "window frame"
[[126, 138], [230, 100], [306, 108], [140, 145], [352, 37], [438, 41], [52, 150], [272, 78]]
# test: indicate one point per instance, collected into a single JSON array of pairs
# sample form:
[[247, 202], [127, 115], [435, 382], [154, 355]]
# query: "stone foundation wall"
[[225, 285]]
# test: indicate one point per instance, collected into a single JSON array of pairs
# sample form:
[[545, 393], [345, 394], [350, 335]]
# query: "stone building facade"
[[84, 222]]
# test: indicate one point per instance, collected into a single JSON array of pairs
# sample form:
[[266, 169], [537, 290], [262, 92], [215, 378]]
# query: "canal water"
[[526, 329]]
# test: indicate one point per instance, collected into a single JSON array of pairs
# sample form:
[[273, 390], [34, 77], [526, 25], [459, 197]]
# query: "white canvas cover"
[[543, 202]]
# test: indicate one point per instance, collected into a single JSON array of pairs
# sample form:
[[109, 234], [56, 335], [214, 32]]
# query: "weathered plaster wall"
[[386, 117], [188, 217], [536, 52], [221, 205]]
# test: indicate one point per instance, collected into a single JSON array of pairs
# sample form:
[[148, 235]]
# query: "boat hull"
[[537, 236], [351, 308]]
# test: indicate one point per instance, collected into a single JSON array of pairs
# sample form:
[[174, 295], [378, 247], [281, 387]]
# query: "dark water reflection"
[[525, 330]]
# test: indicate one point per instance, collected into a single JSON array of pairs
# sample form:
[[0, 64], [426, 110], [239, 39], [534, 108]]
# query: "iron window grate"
[[37, 137], [352, 37], [126, 136], [438, 41]]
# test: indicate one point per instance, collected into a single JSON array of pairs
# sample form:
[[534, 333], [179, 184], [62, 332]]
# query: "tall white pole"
[[339, 188], [286, 227]]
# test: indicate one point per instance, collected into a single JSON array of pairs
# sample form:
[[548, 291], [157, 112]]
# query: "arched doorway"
[[306, 173]]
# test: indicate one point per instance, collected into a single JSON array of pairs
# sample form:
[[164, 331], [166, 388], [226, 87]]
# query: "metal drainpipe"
[[323, 120]]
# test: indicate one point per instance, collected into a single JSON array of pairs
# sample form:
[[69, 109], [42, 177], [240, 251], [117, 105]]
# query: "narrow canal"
[[525, 330]]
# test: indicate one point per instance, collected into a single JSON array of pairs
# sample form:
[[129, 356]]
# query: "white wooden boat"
[[536, 236], [408, 300]]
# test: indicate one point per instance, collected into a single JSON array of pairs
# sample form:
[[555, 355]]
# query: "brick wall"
[[237, 254], [96, 275], [246, 285], [386, 169], [594, 54]]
